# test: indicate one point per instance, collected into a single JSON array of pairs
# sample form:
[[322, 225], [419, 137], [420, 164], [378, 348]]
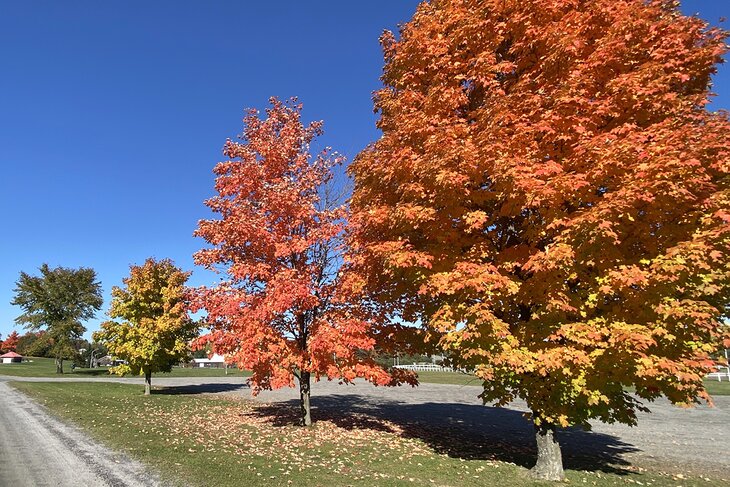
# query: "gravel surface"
[[669, 439], [38, 450], [453, 421]]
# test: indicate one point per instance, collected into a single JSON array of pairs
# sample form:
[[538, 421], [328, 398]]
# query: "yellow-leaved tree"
[[154, 330]]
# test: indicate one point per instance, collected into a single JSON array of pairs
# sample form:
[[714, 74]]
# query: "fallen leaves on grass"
[[346, 444]]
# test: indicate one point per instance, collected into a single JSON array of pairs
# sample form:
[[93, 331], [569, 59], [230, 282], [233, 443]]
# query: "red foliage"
[[10, 344], [281, 312]]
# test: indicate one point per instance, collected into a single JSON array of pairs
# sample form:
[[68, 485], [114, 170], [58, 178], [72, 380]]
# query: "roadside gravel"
[[37, 450]]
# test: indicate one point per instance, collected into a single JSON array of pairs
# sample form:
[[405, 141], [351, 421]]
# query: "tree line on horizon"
[[38, 344], [549, 202]]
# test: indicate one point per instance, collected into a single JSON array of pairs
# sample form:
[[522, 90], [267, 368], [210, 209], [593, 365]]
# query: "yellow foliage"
[[154, 330]]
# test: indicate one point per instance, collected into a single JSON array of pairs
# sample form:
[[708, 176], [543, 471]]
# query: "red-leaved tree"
[[11, 343], [281, 312]]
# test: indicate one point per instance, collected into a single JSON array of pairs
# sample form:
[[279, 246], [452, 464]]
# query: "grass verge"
[[455, 378], [714, 387], [46, 367], [214, 440]]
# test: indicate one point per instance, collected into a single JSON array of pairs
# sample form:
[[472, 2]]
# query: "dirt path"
[[38, 450]]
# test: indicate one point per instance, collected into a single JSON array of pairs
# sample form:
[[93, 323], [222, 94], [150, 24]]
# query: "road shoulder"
[[36, 449]]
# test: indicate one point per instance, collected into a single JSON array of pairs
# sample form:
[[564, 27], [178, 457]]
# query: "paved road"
[[454, 422], [38, 451]]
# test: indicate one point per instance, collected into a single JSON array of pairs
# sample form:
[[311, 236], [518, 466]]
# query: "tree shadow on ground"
[[214, 388], [90, 372], [288, 413], [465, 431]]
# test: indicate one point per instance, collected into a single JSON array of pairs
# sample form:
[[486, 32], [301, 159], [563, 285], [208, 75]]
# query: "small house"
[[11, 358], [216, 361]]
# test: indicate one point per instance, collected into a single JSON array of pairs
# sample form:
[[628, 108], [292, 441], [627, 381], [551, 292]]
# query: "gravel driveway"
[[37, 450], [454, 422]]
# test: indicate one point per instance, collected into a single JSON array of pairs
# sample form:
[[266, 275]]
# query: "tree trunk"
[[549, 464], [147, 382], [304, 385], [59, 365]]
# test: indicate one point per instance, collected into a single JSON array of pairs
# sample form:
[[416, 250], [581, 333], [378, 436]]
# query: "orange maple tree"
[[550, 198], [11, 342], [281, 312]]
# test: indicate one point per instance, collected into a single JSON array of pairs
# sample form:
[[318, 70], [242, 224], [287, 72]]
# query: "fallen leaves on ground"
[[342, 443]]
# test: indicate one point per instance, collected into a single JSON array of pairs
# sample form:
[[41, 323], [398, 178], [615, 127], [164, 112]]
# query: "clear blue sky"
[[113, 114]]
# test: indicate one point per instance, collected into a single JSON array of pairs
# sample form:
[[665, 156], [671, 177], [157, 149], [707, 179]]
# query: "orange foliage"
[[281, 312], [550, 198]]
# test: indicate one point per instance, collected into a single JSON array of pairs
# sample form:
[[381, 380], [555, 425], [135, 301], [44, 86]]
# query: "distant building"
[[104, 361], [215, 361], [11, 358], [109, 361]]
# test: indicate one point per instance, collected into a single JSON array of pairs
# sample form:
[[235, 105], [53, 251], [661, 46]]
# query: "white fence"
[[722, 373], [425, 368]]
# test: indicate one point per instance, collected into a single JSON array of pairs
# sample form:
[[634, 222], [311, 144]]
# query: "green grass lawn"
[[206, 440], [455, 378], [34, 367], [46, 367], [714, 387]]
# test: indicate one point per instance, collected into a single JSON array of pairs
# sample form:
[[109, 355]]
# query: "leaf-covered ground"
[[207, 440]]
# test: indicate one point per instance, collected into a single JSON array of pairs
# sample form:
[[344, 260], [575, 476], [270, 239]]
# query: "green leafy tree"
[[58, 302], [33, 344], [155, 329], [203, 352]]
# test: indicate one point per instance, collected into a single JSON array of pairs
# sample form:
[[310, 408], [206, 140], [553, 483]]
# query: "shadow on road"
[[90, 372], [459, 430], [213, 388]]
